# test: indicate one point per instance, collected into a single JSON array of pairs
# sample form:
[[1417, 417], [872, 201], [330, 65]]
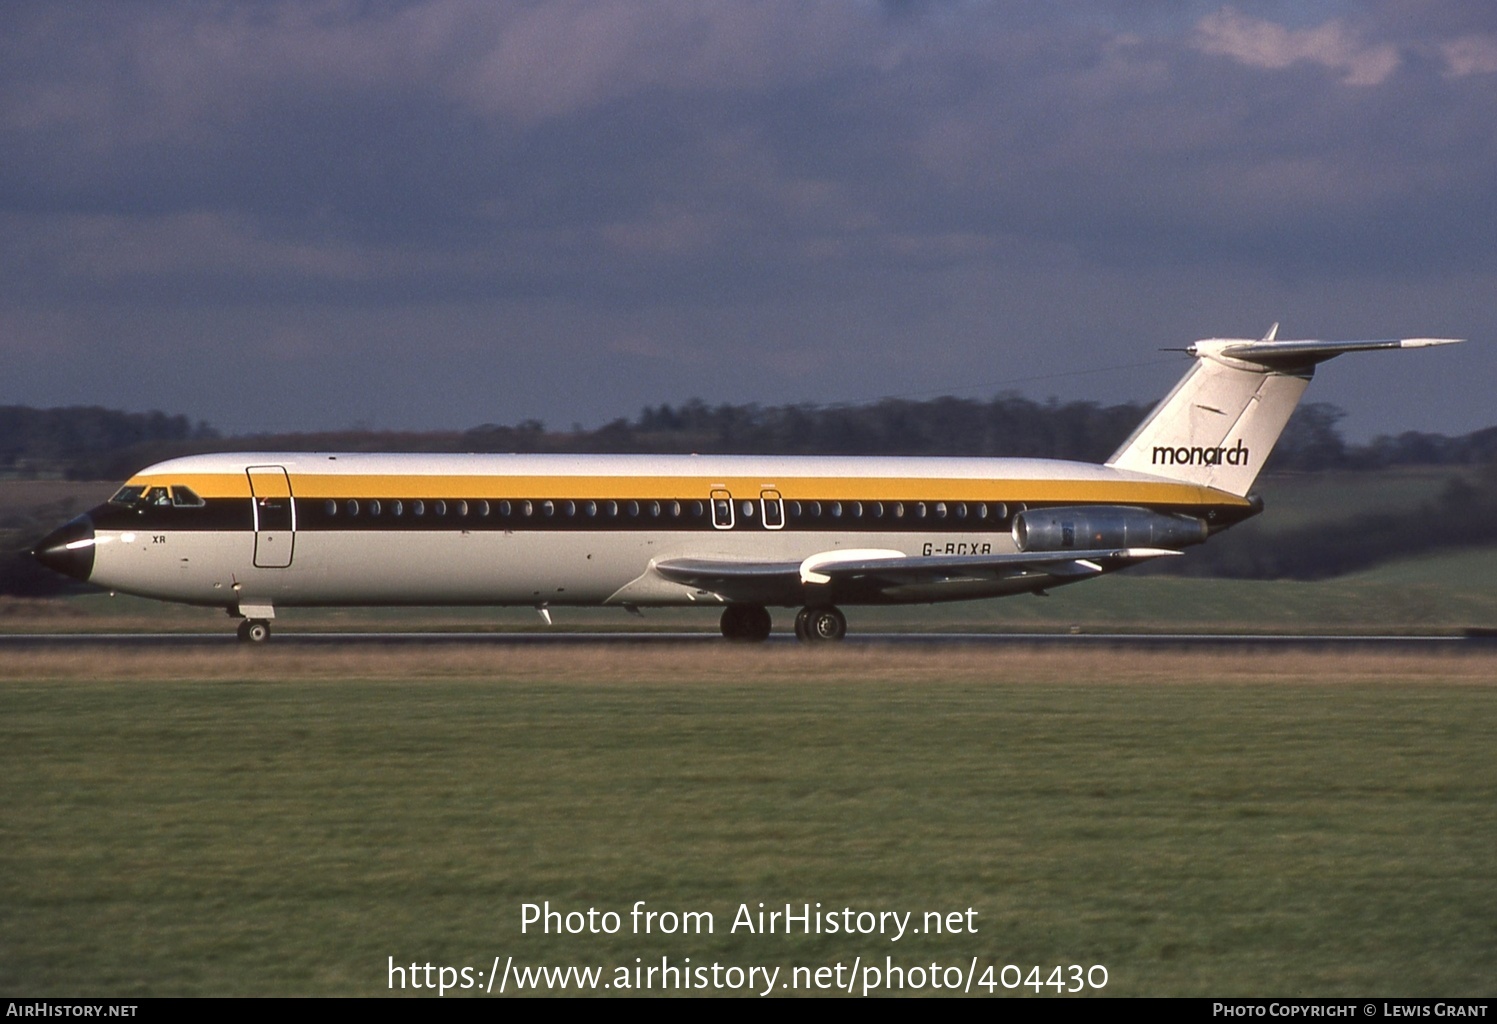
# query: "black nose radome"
[[69, 549]]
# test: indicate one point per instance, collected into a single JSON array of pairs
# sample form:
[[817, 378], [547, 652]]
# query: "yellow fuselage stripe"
[[823, 488]]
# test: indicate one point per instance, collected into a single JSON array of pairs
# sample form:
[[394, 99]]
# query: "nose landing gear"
[[254, 631], [254, 621]]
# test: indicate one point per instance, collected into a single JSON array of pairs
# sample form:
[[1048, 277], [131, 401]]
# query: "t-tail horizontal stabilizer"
[[1219, 423]]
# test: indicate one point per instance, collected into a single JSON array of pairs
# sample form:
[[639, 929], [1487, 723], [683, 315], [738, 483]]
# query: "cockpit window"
[[138, 497]]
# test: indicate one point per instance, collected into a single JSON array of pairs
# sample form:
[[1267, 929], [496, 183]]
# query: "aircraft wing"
[[891, 575]]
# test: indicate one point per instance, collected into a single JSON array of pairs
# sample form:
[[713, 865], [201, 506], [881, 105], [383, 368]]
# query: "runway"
[[1471, 640]]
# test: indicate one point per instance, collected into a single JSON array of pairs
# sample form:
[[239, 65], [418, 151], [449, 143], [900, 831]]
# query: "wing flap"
[[703, 572]]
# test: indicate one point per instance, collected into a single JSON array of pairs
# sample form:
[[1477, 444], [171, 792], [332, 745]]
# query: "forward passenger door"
[[275, 516]]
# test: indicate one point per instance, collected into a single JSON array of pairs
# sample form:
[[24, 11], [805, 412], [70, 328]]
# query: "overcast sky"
[[282, 216]]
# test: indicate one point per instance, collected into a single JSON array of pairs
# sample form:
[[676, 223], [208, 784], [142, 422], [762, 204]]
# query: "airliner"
[[255, 533]]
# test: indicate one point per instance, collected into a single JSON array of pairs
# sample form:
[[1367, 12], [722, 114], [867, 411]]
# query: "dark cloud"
[[445, 213]]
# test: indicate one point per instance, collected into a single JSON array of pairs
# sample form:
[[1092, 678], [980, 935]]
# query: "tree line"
[[101, 444], [1462, 515], [92, 444], [62, 442]]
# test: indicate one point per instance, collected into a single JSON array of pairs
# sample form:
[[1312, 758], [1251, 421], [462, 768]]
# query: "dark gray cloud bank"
[[303, 215]]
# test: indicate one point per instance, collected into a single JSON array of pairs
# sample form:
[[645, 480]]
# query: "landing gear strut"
[[820, 625], [746, 623], [254, 631]]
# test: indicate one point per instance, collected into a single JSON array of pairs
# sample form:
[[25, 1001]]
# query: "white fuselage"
[[287, 529]]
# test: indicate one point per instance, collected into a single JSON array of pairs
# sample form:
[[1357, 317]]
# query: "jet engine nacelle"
[[1104, 526]]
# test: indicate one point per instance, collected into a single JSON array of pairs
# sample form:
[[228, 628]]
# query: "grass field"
[[1432, 595], [283, 821]]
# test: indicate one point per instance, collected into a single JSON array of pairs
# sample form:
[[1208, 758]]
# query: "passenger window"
[[439, 507], [353, 507], [418, 507], [330, 508]]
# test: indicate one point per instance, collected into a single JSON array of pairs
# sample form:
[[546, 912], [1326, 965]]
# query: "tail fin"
[[1218, 425]]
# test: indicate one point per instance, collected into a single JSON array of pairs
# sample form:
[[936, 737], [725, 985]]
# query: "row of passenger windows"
[[609, 509], [483, 508]]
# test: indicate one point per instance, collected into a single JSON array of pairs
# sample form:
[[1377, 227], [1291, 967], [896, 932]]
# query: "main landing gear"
[[749, 623], [821, 624], [746, 623], [254, 631]]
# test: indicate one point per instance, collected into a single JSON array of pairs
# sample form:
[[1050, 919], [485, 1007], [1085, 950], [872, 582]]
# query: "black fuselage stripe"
[[221, 515]]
